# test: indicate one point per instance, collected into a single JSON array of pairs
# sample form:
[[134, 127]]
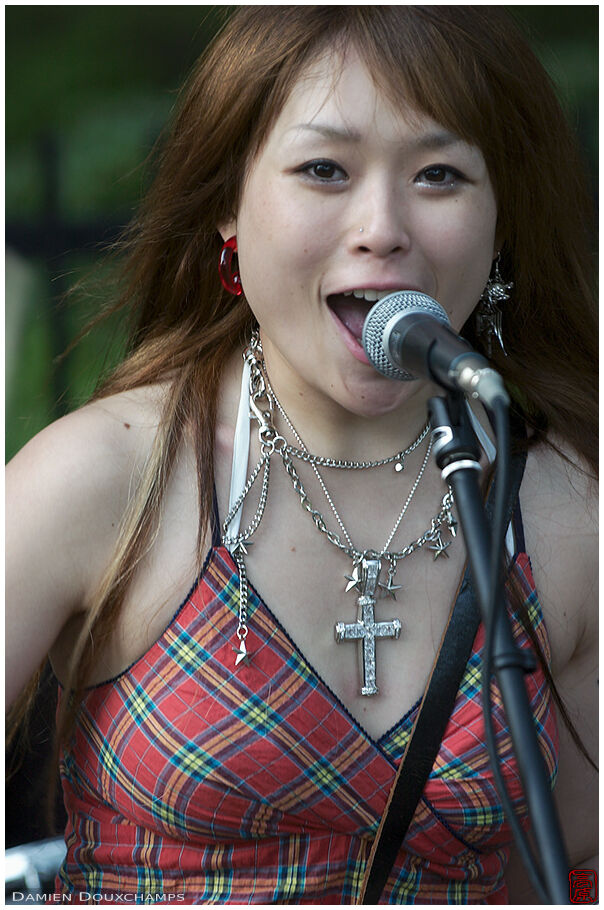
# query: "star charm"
[[390, 587], [354, 580], [241, 547], [440, 548], [242, 654]]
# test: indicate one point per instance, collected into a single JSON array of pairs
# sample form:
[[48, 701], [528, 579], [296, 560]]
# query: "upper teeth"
[[368, 293]]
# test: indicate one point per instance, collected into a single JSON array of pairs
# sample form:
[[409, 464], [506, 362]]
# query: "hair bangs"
[[426, 65]]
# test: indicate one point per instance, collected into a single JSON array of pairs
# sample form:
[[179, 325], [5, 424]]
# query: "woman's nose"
[[382, 226]]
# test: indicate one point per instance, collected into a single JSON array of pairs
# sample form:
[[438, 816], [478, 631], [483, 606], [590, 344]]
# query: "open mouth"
[[351, 308]]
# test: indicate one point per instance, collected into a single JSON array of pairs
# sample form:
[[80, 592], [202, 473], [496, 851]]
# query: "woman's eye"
[[324, 171], [439, 175]]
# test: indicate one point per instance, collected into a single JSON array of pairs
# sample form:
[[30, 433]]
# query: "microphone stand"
[[457, 453]]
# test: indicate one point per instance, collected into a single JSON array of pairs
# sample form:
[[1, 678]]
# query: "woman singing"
[[240, 556]]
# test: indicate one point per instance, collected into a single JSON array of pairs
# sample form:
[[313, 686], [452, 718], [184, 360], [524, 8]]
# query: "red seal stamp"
[[583, 886]]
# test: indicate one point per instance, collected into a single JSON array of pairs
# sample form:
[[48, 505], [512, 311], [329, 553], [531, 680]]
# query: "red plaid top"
[[188, 781]]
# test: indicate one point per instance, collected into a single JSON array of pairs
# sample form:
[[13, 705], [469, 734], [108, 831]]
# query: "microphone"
[[407, 335]]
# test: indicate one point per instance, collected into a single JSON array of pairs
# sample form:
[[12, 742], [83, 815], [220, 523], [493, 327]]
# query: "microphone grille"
[[376, 330]]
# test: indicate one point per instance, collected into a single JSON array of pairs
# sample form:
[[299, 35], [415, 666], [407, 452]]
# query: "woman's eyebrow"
[[330, 132], [437, 139], [432, 139]]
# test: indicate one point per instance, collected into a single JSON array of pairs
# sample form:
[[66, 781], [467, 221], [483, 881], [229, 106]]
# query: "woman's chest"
[[369, 626]]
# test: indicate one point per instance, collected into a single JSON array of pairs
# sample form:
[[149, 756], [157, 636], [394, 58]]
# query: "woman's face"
[[349, 198]]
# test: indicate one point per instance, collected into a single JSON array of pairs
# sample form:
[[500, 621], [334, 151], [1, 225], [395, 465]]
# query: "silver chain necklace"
[[366, 564], [304, 455]]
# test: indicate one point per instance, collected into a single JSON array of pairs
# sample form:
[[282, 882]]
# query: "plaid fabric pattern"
[[189, 782]]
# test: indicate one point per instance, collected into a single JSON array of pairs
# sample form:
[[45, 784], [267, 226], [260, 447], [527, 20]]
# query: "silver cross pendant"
[[366, 629]]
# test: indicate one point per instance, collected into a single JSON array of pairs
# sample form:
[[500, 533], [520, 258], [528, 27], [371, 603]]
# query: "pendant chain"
[[262, 403], [313, 462]]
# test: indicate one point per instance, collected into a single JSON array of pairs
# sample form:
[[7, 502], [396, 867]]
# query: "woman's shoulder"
[[559, 502], [71, 483], [560, 492], [98, 439]]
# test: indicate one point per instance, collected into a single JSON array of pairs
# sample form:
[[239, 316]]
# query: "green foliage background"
[[101, 81]]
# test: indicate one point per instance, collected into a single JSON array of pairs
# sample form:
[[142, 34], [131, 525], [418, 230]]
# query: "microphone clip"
[[454, 443]]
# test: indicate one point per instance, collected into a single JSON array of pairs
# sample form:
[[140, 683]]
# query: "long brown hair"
[[466, 67]]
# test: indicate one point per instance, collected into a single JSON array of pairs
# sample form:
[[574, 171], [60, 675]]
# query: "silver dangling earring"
[[488, 311]]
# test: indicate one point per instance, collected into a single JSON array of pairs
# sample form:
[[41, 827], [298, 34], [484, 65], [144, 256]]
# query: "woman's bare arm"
[[66, 492]]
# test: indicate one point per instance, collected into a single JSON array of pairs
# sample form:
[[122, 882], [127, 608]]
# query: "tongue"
[[351, 311]]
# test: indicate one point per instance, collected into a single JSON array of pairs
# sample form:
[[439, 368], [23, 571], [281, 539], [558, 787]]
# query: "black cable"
[[503, 468]]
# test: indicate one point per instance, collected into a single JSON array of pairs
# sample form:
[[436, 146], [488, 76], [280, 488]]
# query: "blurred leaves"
[[565, 38], [102, 80], [61, 61]]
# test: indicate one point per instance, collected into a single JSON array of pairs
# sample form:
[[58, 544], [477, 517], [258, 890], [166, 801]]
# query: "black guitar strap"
[[434, 713]]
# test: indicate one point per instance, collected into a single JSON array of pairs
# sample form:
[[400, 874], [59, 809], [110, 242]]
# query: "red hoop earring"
[[231, 280]]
